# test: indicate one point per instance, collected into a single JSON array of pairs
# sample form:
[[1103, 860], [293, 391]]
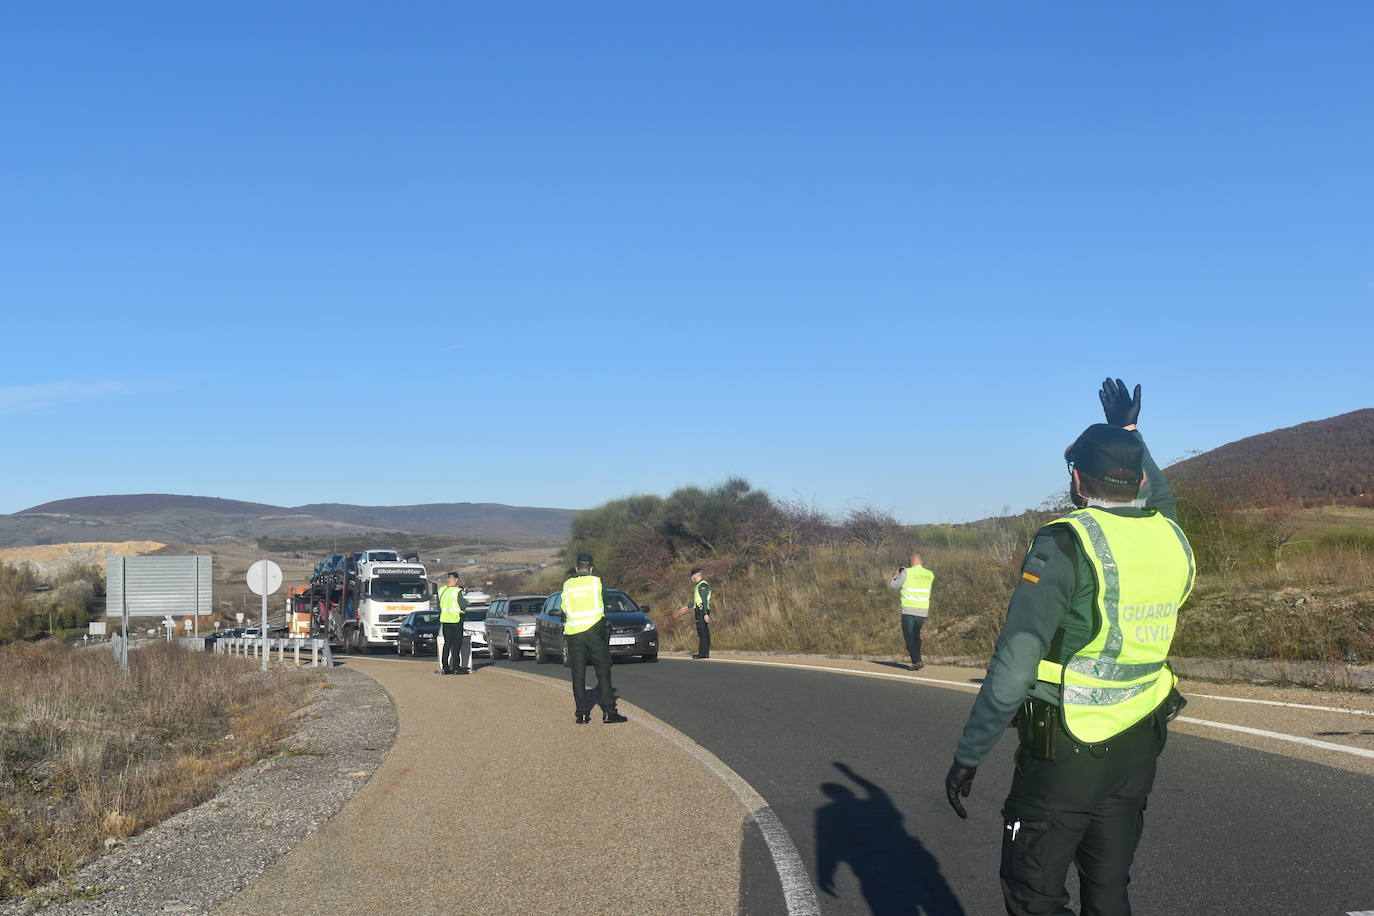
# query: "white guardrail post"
[[319, 650]]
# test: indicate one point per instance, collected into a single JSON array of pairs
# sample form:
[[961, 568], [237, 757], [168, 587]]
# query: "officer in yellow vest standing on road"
[[701, 610], [584, 627], [452, 604], [1088, 630], [914, 581]]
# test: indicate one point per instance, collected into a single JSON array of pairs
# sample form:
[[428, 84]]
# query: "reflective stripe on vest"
[[449, 609], [582, 604], [1144, 571], [916, 588], [696, 595]]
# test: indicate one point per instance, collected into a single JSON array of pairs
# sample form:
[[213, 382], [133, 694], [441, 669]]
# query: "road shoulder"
[[202, 856], [493, 800]]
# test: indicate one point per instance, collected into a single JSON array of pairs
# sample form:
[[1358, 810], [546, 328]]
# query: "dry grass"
[[835, 600], [1318, 605], [88, 756]]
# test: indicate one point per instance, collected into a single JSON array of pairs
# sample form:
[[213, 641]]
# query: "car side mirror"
[[645, 608], [556, 613]]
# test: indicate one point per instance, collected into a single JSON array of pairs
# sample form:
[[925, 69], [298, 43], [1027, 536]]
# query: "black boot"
[[612, 716], [582, 718]]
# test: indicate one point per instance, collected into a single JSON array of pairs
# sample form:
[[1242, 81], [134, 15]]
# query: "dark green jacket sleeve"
[[1156, 492], [1033, 616], [705, 597]]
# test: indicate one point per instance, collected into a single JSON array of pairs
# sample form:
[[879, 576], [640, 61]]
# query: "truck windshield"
[[398, 590], [381, 556]]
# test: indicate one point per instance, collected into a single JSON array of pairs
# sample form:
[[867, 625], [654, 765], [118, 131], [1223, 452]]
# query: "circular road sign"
[[264, 577]]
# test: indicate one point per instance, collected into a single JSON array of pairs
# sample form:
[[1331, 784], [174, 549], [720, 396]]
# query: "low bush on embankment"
[[89, 756], [1286, 582]]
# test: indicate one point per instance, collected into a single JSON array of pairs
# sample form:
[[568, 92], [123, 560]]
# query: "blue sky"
[[550, 254]]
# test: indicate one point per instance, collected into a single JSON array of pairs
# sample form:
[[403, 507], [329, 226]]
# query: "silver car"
[[510, 625]]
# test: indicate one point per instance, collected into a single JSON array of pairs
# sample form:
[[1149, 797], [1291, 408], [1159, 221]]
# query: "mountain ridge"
[[206, 519], [1328, 459]]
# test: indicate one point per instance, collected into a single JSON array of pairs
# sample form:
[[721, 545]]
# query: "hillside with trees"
[[1323, 461], [1281, 582]]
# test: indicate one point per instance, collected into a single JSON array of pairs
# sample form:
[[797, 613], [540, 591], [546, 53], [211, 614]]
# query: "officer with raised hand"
[[584, 627], [1080, 666]]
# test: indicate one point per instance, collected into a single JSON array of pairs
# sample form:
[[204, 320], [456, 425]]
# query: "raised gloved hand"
[[1120, 406], [959, 781]]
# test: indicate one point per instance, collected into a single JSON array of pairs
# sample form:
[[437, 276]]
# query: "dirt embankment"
[[47, 558]]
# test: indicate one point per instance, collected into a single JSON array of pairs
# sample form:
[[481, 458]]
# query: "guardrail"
[[318, 649]]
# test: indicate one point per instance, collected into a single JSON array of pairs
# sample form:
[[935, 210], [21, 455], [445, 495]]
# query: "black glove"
[[959, 781], [1173, 705], [1121, 408]]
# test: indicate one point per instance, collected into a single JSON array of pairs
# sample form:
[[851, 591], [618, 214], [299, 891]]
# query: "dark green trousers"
[[591, 646], [1086, 807]]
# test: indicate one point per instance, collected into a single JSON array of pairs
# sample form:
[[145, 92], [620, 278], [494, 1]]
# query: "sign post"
[[264, 578], [124, 605]]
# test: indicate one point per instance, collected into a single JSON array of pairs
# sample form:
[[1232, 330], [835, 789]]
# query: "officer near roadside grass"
[[452, 604], [700, 605], [914, 581], [1080, 666], [584, 627]]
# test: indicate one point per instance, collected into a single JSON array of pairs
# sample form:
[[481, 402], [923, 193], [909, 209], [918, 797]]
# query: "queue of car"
[[513, 625]]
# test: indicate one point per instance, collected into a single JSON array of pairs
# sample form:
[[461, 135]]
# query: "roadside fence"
[[317, 649]]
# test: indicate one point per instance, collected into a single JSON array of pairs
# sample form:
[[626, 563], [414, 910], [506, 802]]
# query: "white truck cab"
[[387, 591]]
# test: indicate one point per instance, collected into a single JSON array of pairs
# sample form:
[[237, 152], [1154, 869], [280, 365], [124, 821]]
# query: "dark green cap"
[[1108, 453]]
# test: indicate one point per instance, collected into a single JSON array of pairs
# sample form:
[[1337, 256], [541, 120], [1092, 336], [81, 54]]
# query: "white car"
[[475, 620]]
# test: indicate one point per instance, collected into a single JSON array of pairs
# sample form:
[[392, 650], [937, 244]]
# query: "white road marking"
[[1361, 913], [796, 883], [1353, 712], [1277, 736]]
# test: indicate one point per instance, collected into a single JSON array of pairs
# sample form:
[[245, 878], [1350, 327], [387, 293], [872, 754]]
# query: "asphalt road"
[[854, 766]]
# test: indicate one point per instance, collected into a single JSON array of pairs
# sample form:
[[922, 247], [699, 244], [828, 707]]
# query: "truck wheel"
[[650, 658], [513, 650], [539, 657], [344, 641]]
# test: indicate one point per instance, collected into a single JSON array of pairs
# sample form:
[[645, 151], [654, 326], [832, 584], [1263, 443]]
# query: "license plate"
[[622, 640]]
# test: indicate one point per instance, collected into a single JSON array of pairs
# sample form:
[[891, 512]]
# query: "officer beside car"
[[1080, 666], [700, 605], [454, 654], [584, 627]]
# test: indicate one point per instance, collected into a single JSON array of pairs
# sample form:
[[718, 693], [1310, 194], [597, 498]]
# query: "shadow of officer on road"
[[897, 875]]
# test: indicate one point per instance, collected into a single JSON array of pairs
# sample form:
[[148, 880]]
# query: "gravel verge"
[[197, 859]]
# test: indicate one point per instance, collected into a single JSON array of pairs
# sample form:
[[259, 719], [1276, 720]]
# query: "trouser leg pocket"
[[1035, 861]]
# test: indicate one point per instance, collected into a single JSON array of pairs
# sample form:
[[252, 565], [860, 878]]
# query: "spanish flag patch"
[[1030, 577]]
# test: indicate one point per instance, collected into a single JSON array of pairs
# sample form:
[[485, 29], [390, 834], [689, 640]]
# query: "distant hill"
[[1330, 459], [206, 520], [136, 503]]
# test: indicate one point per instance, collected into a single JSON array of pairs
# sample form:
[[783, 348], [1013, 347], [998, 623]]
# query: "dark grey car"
[[510, 625], [628, 628]]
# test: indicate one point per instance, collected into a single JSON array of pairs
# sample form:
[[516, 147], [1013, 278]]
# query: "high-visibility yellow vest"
[[916, 588], [697, 603], [450, 611], [583, 605], [1144, 572]]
